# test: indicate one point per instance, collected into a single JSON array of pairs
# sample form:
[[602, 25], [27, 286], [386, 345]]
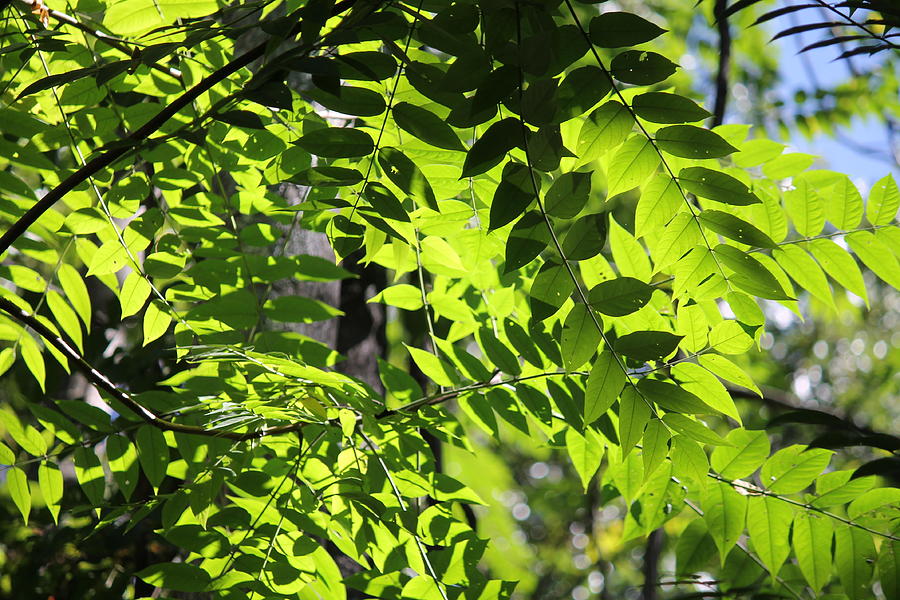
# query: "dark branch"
[[724, 62]]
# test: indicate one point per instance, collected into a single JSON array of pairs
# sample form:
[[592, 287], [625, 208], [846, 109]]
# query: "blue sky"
[[837, 154]]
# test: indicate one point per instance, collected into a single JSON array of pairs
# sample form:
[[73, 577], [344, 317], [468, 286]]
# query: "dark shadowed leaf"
[[513, 196], [568, 194], [717, 186], [663, 107], [586, 237], [426, 126], [492, 146], [736, 229], [619, 297], [337, 142], [528, 238], [689, 141], [620, 29], [641, 67], [647, 345]]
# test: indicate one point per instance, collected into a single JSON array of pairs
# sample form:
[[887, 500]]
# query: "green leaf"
[[581, 89], [840, 265], [854, 556], [634, 413], [586, 237], [604, 129], [337, 142], [876, 255], [401, 295], [672, 398], [690, 141], [748, 451], [792, 469], [586, 452], [491, 148], [123, 462], [603, 386], [527, 239], [694, 549], [693, 429], [873, 500], [17, 486], [681, 235], [621, 29], [655, 445], [89, 473], [426, 126], [724, 511], [889, 568], [884, 200], [619, 297], [580, 337], [756, 152], [641, 67], [350, 100], [128, 17], [805, 271], [749, 274], [632, 164], [407, 176], [663, 107], [498, 353], [34, 360], [56, 80], [514, 194], [630, 257], [845, 205], [385, 202], [811, 538], [153, 453], [434, 367], [551, 287], [698, 381], [134, 293], [647, 345], [659, 201], [768, 521], [717, 186], [177, 577], [156, 321], [689, 459], [805, 208], [50, 480], [568, 194]]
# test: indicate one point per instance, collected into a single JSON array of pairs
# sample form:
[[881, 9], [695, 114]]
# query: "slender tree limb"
[[724, 62], [652, 552], [110, 156]]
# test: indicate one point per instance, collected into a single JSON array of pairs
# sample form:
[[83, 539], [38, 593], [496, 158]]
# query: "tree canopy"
[[433, 300]]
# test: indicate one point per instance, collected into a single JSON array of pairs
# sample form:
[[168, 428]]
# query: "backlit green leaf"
[[603, 385], [580, 337], [724, 511]]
